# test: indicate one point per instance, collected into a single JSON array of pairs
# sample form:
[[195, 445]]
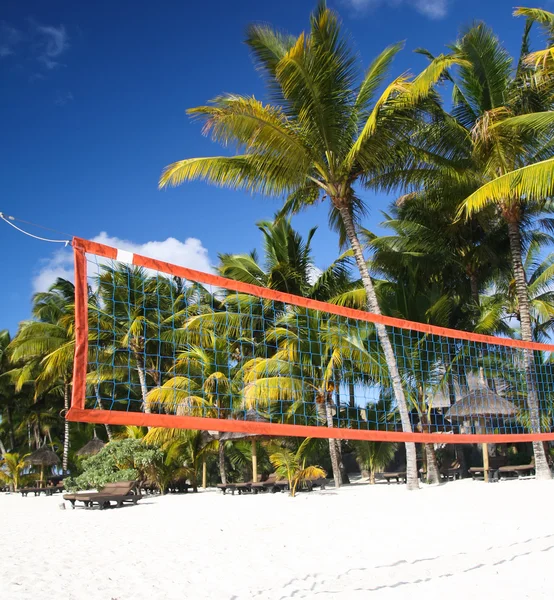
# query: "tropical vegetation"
[[464, 149]]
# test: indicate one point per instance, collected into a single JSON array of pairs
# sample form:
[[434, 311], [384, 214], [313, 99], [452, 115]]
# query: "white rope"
[[8, 219]]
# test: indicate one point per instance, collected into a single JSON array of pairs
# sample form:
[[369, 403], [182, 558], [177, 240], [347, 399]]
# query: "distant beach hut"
[[249, 415], [43, 457], [91, 448], [477, 406]]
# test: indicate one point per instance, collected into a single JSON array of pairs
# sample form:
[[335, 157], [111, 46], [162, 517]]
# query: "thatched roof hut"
[[91, 448], [43, 457], [249, 415], [481, 403]]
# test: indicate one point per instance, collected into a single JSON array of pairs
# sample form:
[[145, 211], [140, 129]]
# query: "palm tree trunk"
[[221, 452], [333, 448], [101, 407], [432, 467], [9, 421], [373, 306], [351, 395], [141, 370], [65, 427], [542, 469], [2, 449]]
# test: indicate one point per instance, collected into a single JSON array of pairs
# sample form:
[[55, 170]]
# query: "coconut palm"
[[12, 466], [513, 148], [288, 264], [374, 456], [292, 466], [203, 384], [7, 389], [325, 131], [312, 351], [493, 151], [49, 343], [132, 316]]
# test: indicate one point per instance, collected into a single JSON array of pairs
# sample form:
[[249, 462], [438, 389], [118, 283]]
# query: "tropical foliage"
[[467, 244]]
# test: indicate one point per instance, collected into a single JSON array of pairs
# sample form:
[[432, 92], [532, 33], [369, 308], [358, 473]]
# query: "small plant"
[[374, 456], [291, 466]]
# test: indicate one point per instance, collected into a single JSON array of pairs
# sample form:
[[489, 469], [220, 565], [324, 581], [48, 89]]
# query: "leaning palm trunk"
[[373, 306], [65, 427], [542, 469]]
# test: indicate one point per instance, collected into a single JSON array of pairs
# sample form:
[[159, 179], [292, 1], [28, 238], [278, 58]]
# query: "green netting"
[[163, 344]]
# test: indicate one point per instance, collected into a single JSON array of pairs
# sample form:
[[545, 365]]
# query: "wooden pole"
[[486, 462], [254, 462], [204, 474]]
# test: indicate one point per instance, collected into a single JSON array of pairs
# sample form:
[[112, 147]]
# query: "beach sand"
[[464, 539]]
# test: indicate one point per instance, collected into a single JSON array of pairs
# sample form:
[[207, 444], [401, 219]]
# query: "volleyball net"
[[165, 346]]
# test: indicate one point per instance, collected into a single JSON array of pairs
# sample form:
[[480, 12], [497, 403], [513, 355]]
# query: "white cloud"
[[434, 9], [314, 273], [9, 39], [190, 253], [43, 43], [53, 43]]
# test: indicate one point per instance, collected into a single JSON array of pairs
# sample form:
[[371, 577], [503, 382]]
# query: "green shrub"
[[119, 460]]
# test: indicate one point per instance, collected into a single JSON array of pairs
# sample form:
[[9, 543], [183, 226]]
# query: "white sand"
[[465, 540]]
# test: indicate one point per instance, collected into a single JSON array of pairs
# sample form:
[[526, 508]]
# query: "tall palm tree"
[[7, 388], [494, 151], [203, 384], [50, 341], [311, 352], [325, 131], [288, 264]]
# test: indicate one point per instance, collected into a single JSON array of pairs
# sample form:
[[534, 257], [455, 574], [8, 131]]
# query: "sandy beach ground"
[[462, 540]]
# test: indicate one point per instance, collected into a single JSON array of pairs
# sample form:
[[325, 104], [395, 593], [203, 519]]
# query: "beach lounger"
[[398, 476], [517, 470], [495, 462], [452, 471], [241, 488], [47, 491], [120, 493], [271, 484]]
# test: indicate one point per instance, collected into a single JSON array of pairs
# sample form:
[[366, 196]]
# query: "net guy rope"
[[166, 346]]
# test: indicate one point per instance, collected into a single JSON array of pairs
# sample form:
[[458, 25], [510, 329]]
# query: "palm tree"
[[312, 351], [12, 466], [513, 148], [374, 456], [288, 264], [494, 152], [7, 388], [292, 466], [49, 341], [203, 384], [325, 132]]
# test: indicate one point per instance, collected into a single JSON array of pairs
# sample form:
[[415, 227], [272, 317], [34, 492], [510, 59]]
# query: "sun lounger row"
[[497, 469], [271, 484], [111, 495], [37, 491]]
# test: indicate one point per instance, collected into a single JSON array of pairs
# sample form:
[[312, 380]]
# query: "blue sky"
[[93, 107]]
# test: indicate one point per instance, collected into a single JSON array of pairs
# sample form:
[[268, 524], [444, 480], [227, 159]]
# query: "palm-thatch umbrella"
[[91, 448], [482, 403], [249, 415], [44, 457]]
